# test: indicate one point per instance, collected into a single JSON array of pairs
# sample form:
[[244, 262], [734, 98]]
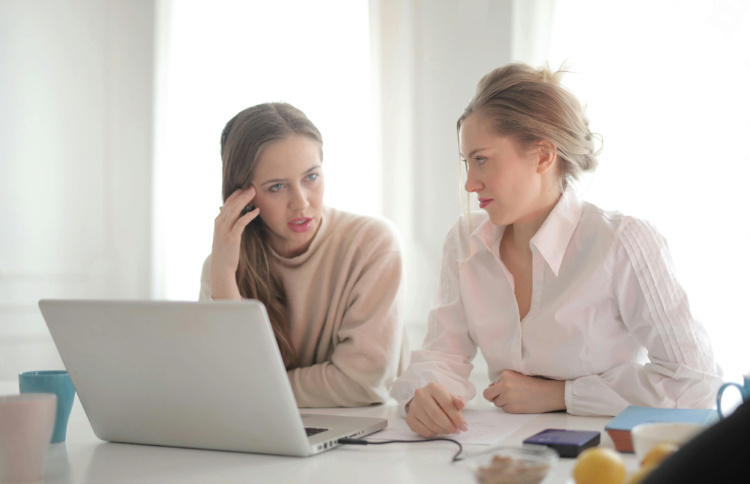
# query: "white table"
[[85, 459]]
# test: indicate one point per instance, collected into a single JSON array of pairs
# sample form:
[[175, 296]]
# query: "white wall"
[[427, 59], [75, 162], [430, 57]]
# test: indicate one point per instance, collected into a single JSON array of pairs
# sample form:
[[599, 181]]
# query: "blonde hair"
[[531, 105], [242, 142]]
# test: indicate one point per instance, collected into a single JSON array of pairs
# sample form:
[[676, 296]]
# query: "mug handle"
[[718, 397]]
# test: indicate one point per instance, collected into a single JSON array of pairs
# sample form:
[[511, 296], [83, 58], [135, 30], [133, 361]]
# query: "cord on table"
[[456, 457]]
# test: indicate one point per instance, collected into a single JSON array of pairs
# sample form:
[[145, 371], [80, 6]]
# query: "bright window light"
[[215, 59], [666, 84]]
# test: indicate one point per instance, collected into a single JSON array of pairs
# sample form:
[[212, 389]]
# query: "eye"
[[276, 187], [480, 160], [312, 177]]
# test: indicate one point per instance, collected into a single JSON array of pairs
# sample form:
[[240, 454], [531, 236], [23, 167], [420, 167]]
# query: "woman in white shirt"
[[573, 308], [330, 280]]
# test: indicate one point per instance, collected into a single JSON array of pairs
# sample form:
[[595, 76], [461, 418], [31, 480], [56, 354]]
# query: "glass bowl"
[[528, 464]]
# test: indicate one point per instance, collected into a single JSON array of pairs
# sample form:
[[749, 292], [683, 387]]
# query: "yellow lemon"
[[599, 465], [641, 474], [658, 453]]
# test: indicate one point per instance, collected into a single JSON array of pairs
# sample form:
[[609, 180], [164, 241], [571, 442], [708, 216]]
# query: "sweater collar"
[[317, 242]]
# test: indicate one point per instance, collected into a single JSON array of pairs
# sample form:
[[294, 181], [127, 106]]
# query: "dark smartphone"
[[567, 443], [248, 208]]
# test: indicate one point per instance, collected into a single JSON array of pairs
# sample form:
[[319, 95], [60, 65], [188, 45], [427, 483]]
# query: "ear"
[[546, 156]]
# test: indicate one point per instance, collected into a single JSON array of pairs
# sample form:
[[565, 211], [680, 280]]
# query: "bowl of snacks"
[[527, 464]]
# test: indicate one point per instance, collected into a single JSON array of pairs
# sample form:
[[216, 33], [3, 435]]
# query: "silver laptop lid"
[[187, 374]]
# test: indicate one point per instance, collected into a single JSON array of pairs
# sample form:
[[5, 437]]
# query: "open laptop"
[[205, 375]]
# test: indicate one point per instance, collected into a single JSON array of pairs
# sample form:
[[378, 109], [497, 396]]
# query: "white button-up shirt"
[[607, 315]]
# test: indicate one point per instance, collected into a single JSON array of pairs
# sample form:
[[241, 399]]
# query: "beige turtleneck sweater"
[[344, 305]]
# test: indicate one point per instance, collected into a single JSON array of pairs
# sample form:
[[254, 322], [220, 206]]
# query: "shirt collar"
[[552, 238], [486, 235]]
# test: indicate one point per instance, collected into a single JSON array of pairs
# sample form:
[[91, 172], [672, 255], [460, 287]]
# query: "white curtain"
[[532, 30]]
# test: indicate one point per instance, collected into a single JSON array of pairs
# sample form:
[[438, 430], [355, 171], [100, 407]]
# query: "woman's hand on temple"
[[434, 410], [225, 252], [517, 393]]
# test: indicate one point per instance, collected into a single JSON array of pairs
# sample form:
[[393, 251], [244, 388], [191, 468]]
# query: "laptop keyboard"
[[312, 431]]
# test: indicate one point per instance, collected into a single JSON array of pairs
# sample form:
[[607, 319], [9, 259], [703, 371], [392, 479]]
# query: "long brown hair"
[[242, 142]]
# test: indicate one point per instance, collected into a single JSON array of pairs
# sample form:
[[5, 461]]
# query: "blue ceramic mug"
[[744, 391], [57, 382]]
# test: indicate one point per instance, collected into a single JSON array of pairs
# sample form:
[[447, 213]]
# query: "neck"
[[521, 232], [289, 251]]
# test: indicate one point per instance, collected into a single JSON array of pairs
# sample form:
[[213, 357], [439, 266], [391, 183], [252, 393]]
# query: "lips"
[[300, 224], [483, 202]]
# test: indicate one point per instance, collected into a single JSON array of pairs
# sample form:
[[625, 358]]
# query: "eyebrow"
[[279, 180], [473, 152]]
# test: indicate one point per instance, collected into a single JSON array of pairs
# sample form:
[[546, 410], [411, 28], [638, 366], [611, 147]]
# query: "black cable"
[[456, 456]]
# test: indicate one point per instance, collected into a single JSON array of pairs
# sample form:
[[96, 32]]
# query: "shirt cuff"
[[569, 405]]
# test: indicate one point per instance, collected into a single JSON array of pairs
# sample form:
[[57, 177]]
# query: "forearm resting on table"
[[325, 385]]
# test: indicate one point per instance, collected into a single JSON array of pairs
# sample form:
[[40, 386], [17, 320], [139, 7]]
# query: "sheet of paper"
[[486, 426]]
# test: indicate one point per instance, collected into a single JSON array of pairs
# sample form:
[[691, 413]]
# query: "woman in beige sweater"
[[330, 280]]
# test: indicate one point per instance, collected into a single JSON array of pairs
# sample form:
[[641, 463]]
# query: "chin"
[[498, 220]]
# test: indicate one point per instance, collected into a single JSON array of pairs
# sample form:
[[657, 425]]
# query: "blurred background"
[[111, 111]]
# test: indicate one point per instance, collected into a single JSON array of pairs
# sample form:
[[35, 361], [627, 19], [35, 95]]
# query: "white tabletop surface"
[[83, 458]]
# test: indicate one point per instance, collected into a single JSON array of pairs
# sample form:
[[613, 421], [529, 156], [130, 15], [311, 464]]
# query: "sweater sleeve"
[[681, 371], [448, 349], [366, 357], [205, 290]]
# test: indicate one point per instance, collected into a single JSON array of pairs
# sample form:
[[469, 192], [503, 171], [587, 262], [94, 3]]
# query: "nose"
[[472, 183], [298, 200]]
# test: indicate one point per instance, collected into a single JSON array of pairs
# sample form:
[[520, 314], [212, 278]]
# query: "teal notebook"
[[620, 426]]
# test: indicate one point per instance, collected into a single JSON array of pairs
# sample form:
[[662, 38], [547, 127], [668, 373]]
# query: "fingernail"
[[464, 427]]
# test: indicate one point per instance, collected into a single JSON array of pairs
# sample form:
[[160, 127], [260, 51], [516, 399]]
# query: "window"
[[666, 85], [216, 59]]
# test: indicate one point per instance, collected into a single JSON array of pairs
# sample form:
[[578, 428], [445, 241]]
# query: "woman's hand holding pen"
[[225, 252], [434, 410], [517, 393]]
